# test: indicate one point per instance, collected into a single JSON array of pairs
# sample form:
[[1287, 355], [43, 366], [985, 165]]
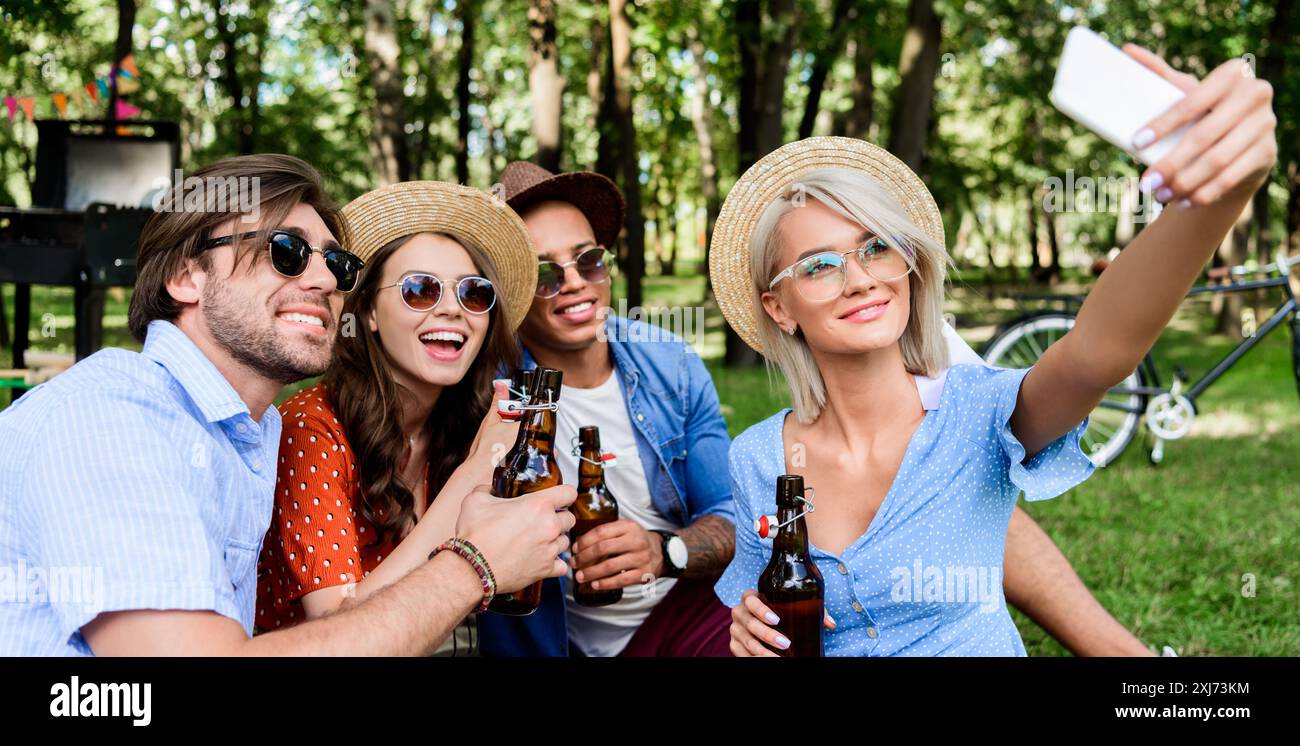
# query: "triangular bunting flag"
[[124, 77], [125, 110]]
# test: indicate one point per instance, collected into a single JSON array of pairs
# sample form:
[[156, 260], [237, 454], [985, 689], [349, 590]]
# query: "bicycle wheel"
[[1112, 425]]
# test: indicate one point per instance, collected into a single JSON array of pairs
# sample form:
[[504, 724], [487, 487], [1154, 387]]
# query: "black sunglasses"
[[421, 292], [290, 255], [592, 264]]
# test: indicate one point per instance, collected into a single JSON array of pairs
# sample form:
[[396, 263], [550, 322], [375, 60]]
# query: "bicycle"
[[1168, 411]]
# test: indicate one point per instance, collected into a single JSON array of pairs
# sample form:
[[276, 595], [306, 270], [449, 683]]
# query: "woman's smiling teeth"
[[576, 308], [456, 338]]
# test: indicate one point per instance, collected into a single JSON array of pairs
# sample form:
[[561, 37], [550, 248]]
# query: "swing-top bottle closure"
[[513, 409], [766, 525], [607, 458]]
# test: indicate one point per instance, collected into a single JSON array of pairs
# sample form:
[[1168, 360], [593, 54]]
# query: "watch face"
[[677, 552]]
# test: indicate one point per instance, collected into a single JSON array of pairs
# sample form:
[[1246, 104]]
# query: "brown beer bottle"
[[594, 506], [528, 467], [791, 585]]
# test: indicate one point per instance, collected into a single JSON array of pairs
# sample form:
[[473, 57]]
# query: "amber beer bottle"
[[791, 585], [528, 467], [594, 506]]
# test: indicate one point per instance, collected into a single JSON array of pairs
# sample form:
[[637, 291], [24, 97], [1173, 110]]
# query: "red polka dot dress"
[[318, 536]]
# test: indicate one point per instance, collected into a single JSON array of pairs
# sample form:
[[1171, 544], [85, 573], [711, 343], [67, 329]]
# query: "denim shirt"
[[683, 444]]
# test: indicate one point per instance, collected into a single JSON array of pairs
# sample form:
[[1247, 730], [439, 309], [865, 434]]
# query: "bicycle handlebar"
[[1281, 266]]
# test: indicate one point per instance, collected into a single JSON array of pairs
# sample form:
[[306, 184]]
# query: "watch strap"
[[670, 569]]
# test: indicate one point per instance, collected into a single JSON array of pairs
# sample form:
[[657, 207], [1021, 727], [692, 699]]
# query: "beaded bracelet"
[[475, 558]]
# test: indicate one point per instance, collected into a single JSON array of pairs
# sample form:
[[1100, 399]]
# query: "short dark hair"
[[173, 235]]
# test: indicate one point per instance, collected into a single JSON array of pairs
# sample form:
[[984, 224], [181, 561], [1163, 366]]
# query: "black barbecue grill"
[[95, 183]]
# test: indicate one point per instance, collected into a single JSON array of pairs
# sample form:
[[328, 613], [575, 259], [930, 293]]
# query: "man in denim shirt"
[[657, 410]]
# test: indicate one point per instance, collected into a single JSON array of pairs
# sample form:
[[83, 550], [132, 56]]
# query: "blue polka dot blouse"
[[926, 577]]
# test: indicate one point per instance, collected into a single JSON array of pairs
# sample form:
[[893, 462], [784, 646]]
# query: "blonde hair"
[[858, 197]]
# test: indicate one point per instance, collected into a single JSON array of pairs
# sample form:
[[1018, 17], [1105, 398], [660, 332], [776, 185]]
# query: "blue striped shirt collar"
[[172, 348]]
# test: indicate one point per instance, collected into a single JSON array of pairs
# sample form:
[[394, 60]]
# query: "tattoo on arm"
[[710, 542]]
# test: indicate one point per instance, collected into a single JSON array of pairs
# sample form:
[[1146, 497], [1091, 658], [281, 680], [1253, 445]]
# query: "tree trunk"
[[749, 42], [466, 12], [1051, 270], [260, 25], [702, 122], [545, 83], [427, 148], [668, 266], [620, 33], [388, 136], [1031, 225], [1293, 208], [988, 233], [596, 80], [121, 48], [776, 62], [1233, 251], [1273, 69], [857, 123], [843, 17], [230, 78], [607, 147], [651, 213], [764, 61], [1053, 248], [918, 64]]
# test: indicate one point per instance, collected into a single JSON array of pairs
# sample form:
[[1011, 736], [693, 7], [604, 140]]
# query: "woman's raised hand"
[[495, 435], [1233, 146]]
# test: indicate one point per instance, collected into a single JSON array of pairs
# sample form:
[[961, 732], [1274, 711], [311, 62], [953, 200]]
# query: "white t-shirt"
[[605, 630]]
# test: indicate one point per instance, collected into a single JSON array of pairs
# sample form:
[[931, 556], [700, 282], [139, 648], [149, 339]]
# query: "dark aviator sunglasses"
[[291, 253]]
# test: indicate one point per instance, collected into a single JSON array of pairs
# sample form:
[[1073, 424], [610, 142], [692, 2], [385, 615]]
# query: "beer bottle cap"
[[763, 525], [509, 410]]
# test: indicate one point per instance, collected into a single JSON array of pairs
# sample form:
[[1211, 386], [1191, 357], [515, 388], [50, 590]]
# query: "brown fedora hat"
[[596, 196]]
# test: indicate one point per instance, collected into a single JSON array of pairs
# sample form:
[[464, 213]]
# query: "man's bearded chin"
[[252, 340]]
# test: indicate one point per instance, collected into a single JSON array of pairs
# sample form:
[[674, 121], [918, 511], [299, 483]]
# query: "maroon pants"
[[690, 622]]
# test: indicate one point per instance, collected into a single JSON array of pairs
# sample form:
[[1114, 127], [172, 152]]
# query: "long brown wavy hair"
[[364, 393]]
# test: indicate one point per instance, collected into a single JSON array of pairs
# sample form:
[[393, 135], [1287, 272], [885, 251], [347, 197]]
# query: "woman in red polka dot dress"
[[375, 458]]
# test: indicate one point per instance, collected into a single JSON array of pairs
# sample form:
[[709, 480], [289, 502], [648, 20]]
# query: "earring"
[[791, 330]]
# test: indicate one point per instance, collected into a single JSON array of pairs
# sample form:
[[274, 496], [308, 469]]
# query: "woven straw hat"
[[473, 215], [768, 179]]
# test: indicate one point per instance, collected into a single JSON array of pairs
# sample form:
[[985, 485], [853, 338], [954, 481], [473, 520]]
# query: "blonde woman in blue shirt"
[[829, 258]]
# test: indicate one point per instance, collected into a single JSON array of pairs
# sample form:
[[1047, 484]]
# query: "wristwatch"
[[675, 553]]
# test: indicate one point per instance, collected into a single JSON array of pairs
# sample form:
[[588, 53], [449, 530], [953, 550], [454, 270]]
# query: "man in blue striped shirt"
[[136, 488]]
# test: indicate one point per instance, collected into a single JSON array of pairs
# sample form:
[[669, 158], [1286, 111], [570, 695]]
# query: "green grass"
[[1168, 550]]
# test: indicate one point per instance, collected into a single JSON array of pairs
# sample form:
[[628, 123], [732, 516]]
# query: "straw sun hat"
[[768, 179], [376, 218]]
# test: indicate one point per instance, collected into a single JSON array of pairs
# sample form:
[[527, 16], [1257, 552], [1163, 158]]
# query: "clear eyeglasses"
[[822, 276]]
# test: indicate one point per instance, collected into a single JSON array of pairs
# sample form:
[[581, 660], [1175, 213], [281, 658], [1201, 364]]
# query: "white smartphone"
[[1112, 94]]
